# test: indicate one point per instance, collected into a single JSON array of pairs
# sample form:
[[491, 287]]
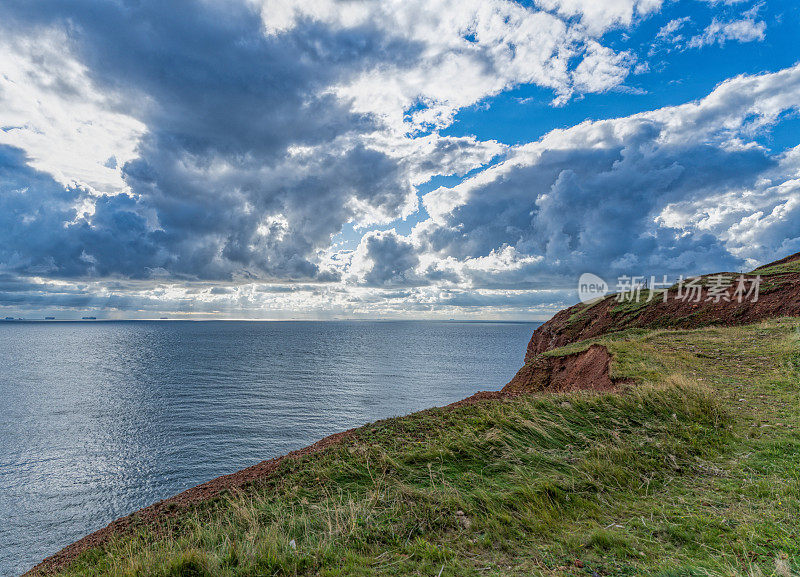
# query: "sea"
[[101, 418]]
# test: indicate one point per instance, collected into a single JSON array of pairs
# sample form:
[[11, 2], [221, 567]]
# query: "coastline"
[[567, 357], [176, 504]]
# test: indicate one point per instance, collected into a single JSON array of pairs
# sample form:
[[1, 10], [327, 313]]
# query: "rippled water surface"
[[100, 419]]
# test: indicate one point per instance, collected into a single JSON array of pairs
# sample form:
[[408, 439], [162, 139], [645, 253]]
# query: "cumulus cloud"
[[384, 258], [599, 16], [468, 50], [630, 195], [232, 140], [756, 222], [602, 69], [744, 30], [202, 156], [53, 111]]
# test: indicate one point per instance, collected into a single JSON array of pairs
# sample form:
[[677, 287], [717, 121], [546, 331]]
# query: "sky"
[[467, 159]]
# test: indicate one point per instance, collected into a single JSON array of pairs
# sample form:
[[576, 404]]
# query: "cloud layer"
[[663, 192], [176, 148]]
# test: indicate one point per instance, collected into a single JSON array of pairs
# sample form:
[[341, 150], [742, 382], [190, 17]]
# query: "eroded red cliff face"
[[778, 296], [586, 370]]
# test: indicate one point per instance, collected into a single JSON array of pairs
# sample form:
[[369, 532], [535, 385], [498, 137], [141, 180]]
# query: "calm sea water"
[[100, 419]]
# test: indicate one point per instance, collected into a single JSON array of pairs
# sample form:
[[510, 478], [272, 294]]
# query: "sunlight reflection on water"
[[100, 419]]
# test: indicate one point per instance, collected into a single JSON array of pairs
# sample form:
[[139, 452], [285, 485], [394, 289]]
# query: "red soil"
[[779, 297], [587, 370]]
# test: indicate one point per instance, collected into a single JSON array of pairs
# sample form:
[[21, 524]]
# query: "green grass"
[[786, 267], [633, 306], [582, 310], [694, 471]]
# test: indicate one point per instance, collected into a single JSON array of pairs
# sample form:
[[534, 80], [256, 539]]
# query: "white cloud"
[[670, 28], [598, 16], [50, 108], [744, 30], [602, 69], [384, 258], [758, 222], [726, 2], [669, 186], [468, 50]]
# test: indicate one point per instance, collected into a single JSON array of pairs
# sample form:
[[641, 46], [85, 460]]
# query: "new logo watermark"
[[591, 287]]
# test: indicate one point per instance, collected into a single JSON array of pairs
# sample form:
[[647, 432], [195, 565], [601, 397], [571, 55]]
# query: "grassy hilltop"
[[688, 465]]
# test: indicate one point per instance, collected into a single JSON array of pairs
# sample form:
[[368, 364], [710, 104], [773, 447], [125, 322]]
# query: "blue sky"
[[674, 76], [279, 159]]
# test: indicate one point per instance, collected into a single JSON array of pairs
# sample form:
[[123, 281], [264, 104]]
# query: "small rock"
[[293, 544], [463, 519]]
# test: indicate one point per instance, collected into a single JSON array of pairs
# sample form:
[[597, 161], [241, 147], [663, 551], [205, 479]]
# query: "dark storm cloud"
[[385, 258], [45, 236], [223, 105], [33, 210]]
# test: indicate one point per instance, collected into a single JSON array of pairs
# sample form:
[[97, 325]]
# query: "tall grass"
[[664, 474]]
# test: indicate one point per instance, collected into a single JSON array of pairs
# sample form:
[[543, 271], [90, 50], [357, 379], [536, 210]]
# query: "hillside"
[[683, 458], [676, 307], [778, 296]]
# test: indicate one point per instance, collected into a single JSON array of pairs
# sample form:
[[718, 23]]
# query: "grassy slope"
[[695, 471], [780, 268]]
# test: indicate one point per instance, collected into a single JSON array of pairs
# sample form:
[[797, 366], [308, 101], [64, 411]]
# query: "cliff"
[[678, 307]]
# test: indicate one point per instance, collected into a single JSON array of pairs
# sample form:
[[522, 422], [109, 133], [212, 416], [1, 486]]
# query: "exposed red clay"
[[587, 370], [779, 297]]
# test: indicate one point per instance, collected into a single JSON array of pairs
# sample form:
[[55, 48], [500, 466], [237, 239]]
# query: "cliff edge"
[[681, 306]]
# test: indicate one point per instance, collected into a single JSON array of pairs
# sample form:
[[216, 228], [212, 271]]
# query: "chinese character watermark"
[[713, 289]]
